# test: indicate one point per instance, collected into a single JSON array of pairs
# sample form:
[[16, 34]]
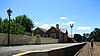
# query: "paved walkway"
[[84, 51], [9, 51], [88, 51]]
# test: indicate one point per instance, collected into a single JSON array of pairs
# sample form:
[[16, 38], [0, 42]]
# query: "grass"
[[97, 43]]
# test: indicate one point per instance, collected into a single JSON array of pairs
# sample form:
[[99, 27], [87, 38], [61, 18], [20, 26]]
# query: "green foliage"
[[84, 37], [5, 21], [0, 24], [1, 27], [25, 22], [5, 28], [95, 34], [78, 37], [0, 20], [19, 25], [16, 28]]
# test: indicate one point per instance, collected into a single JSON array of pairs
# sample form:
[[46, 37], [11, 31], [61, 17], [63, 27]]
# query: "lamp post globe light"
[[71, 25], [9, 11]]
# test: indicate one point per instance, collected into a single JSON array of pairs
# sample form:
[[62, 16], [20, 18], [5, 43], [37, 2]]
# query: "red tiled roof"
[[55, 28], [63, 30]]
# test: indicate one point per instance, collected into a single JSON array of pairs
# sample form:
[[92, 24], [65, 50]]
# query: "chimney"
[[57, 26]]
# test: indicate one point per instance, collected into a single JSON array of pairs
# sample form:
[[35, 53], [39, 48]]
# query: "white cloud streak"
[[68, 23], [53, 25], [83, 28], [36, 22], [47, 26], [64, 18]]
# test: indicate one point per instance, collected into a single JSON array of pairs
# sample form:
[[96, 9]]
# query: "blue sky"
[[84, 14]]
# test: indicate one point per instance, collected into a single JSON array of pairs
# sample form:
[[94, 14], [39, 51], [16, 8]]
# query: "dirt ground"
[[96, 50], [88, 51]]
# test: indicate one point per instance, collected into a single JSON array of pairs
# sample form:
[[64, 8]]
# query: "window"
[[38, 31], [53, 30], [53, 35]]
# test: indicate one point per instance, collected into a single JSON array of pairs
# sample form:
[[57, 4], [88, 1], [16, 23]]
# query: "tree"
[[5, 26], [84, 37], [18, 25], [25, 22], [0, 20], [16, 29], [5, 21], [95, 34], [0, 25], [78, 37]]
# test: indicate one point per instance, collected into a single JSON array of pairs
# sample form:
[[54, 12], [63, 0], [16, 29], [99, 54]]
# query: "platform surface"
[[12, 50]]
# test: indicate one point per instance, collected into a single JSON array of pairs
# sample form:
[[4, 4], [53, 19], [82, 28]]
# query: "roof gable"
[[42, 29], [63, 30], [53, 28], [59, 30]]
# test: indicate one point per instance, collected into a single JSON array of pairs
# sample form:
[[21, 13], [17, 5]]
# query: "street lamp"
[[9, 14], [71, 25]]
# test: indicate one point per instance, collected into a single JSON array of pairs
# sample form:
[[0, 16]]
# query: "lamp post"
[[9, 14], [71, 25]]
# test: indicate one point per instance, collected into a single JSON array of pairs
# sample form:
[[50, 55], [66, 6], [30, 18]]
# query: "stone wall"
[[24, 40]]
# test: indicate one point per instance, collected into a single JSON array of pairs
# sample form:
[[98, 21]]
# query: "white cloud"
[[53, 25], [68, 23], [46, 26], [36, 22], [83, 28], [63, 18], [64, 23], [71, 22]]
